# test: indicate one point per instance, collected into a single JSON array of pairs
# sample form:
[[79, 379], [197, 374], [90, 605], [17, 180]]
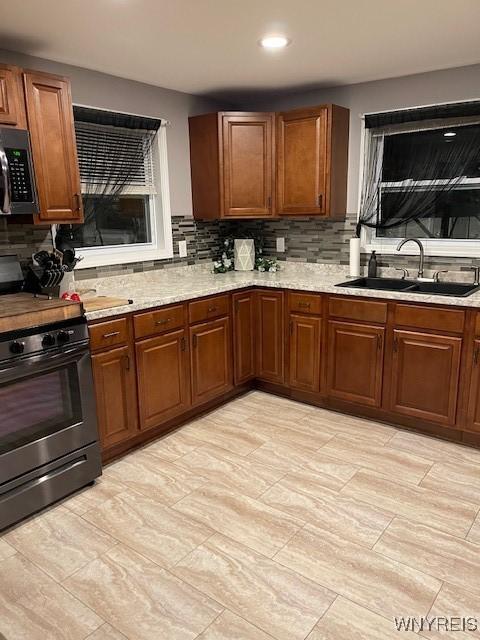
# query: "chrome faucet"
[[422, 252]]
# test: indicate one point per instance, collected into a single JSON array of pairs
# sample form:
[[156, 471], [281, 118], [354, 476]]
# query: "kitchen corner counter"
[[158, 288]]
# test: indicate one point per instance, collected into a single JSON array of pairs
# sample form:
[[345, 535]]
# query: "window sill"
[[118, 256], [446, 248]]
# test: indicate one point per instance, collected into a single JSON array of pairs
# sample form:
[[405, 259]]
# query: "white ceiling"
[[210, 46]]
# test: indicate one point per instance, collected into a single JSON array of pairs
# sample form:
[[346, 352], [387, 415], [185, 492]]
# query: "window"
[[123, 170], [420, 165]]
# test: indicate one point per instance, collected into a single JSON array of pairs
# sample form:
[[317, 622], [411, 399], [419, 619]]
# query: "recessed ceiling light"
[[449, 134], [274, 42]]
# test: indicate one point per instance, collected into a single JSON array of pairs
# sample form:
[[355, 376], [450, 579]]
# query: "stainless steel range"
[[48, 430]]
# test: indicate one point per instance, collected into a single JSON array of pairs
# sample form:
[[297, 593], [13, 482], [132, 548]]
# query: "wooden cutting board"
[[103, 302], [23, 310]]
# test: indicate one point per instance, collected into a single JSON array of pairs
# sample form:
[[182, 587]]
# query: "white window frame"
[[433, 246], [161, 245]]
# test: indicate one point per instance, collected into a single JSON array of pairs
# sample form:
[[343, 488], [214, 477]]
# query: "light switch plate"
[[182, 248], [281, 245]]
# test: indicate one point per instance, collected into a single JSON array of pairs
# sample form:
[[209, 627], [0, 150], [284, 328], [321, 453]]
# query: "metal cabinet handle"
[[379, 342], [476, 353], [111, 334], [163, 321], [395, 344], [305, 305], [320, 200], [5, 206], [126, 360], [211, 309], [291, 327], [78, 201], [182, 344], [194, 340]]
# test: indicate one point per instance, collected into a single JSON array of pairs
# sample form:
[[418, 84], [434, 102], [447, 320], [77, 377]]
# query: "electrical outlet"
[[281, 245], [182, 248]]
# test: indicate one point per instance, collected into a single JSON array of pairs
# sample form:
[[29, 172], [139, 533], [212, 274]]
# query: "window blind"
[[114, 155]]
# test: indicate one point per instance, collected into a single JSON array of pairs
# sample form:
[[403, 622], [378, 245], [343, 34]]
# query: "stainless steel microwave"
[[18, 194]]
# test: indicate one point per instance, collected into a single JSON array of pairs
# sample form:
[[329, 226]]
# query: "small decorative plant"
[[225, 262], [266, 264]]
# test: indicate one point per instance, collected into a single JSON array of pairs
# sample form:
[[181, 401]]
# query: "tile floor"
[[266, 519]]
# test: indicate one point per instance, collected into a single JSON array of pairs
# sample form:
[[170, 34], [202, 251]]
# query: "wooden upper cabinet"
[[244, 336], [163, 378], [355, 362], [270, 336], [312, 156], [248, 164], [115, 390], [12, 104], [425, 376], [50, 121], [232, 164]]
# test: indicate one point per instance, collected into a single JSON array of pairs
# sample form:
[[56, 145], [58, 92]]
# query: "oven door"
[[47, 409]]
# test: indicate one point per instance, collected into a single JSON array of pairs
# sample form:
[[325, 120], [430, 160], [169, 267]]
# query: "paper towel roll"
[[355, 257]]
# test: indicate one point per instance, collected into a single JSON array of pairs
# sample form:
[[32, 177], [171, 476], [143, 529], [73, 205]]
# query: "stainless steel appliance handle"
[[28, 361], [5, 206]]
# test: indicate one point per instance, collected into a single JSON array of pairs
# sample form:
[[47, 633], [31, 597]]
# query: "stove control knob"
[[63, 337], [17, 347], [48, 340]]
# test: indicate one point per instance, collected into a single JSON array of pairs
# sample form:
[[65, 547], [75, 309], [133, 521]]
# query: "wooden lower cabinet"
[[270, 336], [115, 390], [424, 376], [163, 378], [305, 352], [355, 362], [244, 336], [473, 411], [210, 359]]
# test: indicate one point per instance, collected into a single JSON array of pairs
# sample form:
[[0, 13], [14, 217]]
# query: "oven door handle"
[[67, 355], [5, 205]]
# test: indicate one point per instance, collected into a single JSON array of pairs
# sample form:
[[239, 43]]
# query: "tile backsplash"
[[306, 240]]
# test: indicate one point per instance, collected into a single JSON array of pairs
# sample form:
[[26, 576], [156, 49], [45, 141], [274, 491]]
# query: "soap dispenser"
[[372, 266]]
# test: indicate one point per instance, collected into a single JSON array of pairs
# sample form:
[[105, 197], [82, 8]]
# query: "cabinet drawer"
[[201, 310], [363, 310], [477, 324], [159, 321], [305, 303], [421, 317], [108, 334]]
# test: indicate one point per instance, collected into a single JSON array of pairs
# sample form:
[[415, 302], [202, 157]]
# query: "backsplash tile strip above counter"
[[307, 240]]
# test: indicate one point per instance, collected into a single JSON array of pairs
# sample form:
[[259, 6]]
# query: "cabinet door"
[[424, 377], [115, 390], [244, 336], [473, 418], [305, 334], [355, 362], [211, 360], [248, 173], [12, 110], [50, 120], [270, 336], [301, 161], [163, 380]]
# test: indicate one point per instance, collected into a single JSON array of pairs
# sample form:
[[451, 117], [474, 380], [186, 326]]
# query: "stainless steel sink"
[[413, 286]]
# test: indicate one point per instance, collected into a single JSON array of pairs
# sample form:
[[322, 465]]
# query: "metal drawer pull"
[[163, 321], [475, 356], [306, 305], [210, 309], [111, 334]]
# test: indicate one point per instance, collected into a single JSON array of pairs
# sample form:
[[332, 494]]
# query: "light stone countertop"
[[165, 286]]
